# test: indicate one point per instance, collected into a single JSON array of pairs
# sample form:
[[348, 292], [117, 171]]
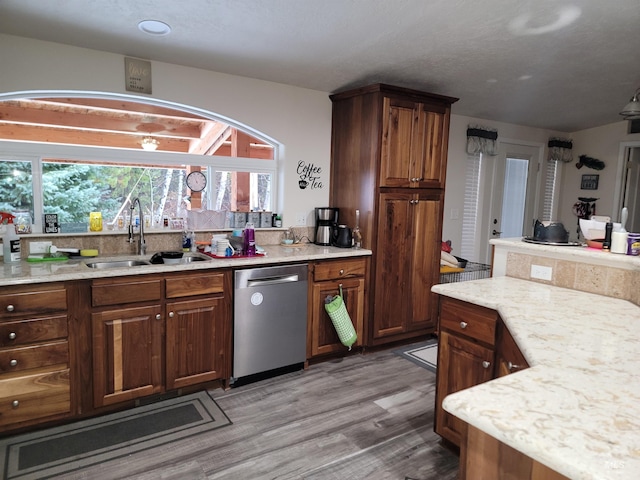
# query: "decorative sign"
[[137, 75], [50, 223], [589, 182], [309, 176]]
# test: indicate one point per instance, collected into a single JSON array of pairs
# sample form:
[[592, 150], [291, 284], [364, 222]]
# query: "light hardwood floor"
[[362, 417]]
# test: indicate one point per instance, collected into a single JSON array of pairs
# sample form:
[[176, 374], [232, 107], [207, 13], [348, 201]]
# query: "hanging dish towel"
[[337, 311]]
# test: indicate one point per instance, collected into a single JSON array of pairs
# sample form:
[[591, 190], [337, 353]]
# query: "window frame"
[[37, 151]]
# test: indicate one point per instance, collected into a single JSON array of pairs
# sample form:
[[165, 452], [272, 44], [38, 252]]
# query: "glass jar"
[[95, 222]]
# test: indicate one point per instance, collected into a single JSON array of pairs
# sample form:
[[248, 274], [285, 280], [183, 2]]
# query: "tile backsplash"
[[112, 243], [602, 280]]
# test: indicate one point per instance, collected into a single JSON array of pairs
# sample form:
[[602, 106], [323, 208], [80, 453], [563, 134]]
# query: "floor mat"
[[62, 449], [424, 354]]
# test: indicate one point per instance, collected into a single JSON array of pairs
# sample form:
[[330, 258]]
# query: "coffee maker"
[[326, 223]]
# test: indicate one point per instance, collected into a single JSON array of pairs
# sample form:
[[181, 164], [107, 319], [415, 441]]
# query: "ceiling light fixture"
[[631, 110], [149, 143], [154, 27]]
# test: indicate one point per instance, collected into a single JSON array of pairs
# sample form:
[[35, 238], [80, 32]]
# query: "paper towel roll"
[[619, 242]]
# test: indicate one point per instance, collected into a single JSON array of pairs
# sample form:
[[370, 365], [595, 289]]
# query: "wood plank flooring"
[[362, 417]]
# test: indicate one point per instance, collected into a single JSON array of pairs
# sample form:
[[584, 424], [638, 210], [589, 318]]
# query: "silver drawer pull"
[[13, 362], [341, 272], [12, 336], [158, 316], [15, 404], [10, 308], [171, 314], [463, 325], [486, 364]]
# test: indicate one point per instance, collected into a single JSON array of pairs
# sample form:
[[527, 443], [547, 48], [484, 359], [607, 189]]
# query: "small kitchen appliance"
[[344, 237], [326, 224]]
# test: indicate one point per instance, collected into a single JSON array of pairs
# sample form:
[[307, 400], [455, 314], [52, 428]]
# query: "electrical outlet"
[[39, 247], [540, 272], [301, 219]]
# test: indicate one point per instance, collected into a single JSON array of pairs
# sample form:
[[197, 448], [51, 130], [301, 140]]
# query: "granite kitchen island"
[[575, 410]]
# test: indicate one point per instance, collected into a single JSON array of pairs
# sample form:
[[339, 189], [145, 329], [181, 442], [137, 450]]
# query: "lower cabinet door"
[[461, 364], [324, 338], [127, 354], [195, 342]]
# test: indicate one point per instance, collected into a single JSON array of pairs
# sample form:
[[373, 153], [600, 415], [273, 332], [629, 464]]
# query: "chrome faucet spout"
[[142, 246]]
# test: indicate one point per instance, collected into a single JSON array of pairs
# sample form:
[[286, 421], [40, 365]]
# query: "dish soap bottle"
[[357, 235], [10, 240], [249, 240]]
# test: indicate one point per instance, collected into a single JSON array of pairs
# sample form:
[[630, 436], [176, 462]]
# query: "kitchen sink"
[[194, 258], [118, 264]]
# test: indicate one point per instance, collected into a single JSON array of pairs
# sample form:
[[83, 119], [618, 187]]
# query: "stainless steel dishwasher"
[[270, 319]]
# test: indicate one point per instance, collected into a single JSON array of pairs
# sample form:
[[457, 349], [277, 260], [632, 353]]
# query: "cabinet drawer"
[[33, 330], [39, 395], [130, 290], [34, 356], [14, 302], [336, 270], [198, 284], [473, 321]]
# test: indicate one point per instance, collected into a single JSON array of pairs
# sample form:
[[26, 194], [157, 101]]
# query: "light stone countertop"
[[577, 409], [41, 272]]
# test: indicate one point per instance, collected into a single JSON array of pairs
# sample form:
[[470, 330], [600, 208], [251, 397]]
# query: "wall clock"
[[196, 181]]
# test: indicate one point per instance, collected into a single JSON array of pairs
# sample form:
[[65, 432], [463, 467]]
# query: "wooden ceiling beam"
[[85, 137], [27, 113]]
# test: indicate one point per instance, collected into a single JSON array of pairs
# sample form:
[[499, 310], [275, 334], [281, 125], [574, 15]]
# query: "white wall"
[[456, 167], [602, 143], [299, 119]]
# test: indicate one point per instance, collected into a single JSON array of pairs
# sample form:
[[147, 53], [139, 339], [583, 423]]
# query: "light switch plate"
[[540, 272], [301, 219]]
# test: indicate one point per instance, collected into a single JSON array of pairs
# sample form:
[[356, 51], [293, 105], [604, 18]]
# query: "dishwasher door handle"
[[257, 282]]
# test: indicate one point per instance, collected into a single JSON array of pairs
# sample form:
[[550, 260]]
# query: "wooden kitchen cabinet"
[[127, 334], [34, 355], [404, 263], [175, 334], [509, 358], [326, 278], [466, 353], [388, 160], [198, 333], [412, 143]]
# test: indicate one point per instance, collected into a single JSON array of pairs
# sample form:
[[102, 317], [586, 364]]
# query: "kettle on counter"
[[550, 232], [343, 237]]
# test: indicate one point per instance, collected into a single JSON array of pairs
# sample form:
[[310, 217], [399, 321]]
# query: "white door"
[[512, 193]]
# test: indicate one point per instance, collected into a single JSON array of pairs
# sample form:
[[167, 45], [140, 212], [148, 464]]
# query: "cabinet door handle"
[[12, 336], [341, 272], [10, 308], [463, 325], [13, 362], [171, 314], [486, 364], [512, 366], [158, 317], [15, 404]]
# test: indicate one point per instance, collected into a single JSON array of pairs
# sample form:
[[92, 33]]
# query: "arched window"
[[70, 154]]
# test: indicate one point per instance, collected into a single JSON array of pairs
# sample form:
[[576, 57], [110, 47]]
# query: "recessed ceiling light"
[[154, 27]]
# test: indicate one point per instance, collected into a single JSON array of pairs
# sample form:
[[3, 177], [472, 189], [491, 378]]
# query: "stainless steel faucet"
[[142, 246]]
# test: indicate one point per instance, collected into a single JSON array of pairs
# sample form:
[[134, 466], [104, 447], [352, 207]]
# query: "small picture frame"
[[589, 182]]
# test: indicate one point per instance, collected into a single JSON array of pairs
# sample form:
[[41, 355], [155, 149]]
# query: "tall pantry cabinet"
[[389, 160]]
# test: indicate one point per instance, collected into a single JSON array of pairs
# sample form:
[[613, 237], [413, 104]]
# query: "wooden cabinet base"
[[483, 457]]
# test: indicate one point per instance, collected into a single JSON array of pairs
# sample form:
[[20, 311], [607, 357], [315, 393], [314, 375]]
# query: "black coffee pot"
[[343, 237]]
